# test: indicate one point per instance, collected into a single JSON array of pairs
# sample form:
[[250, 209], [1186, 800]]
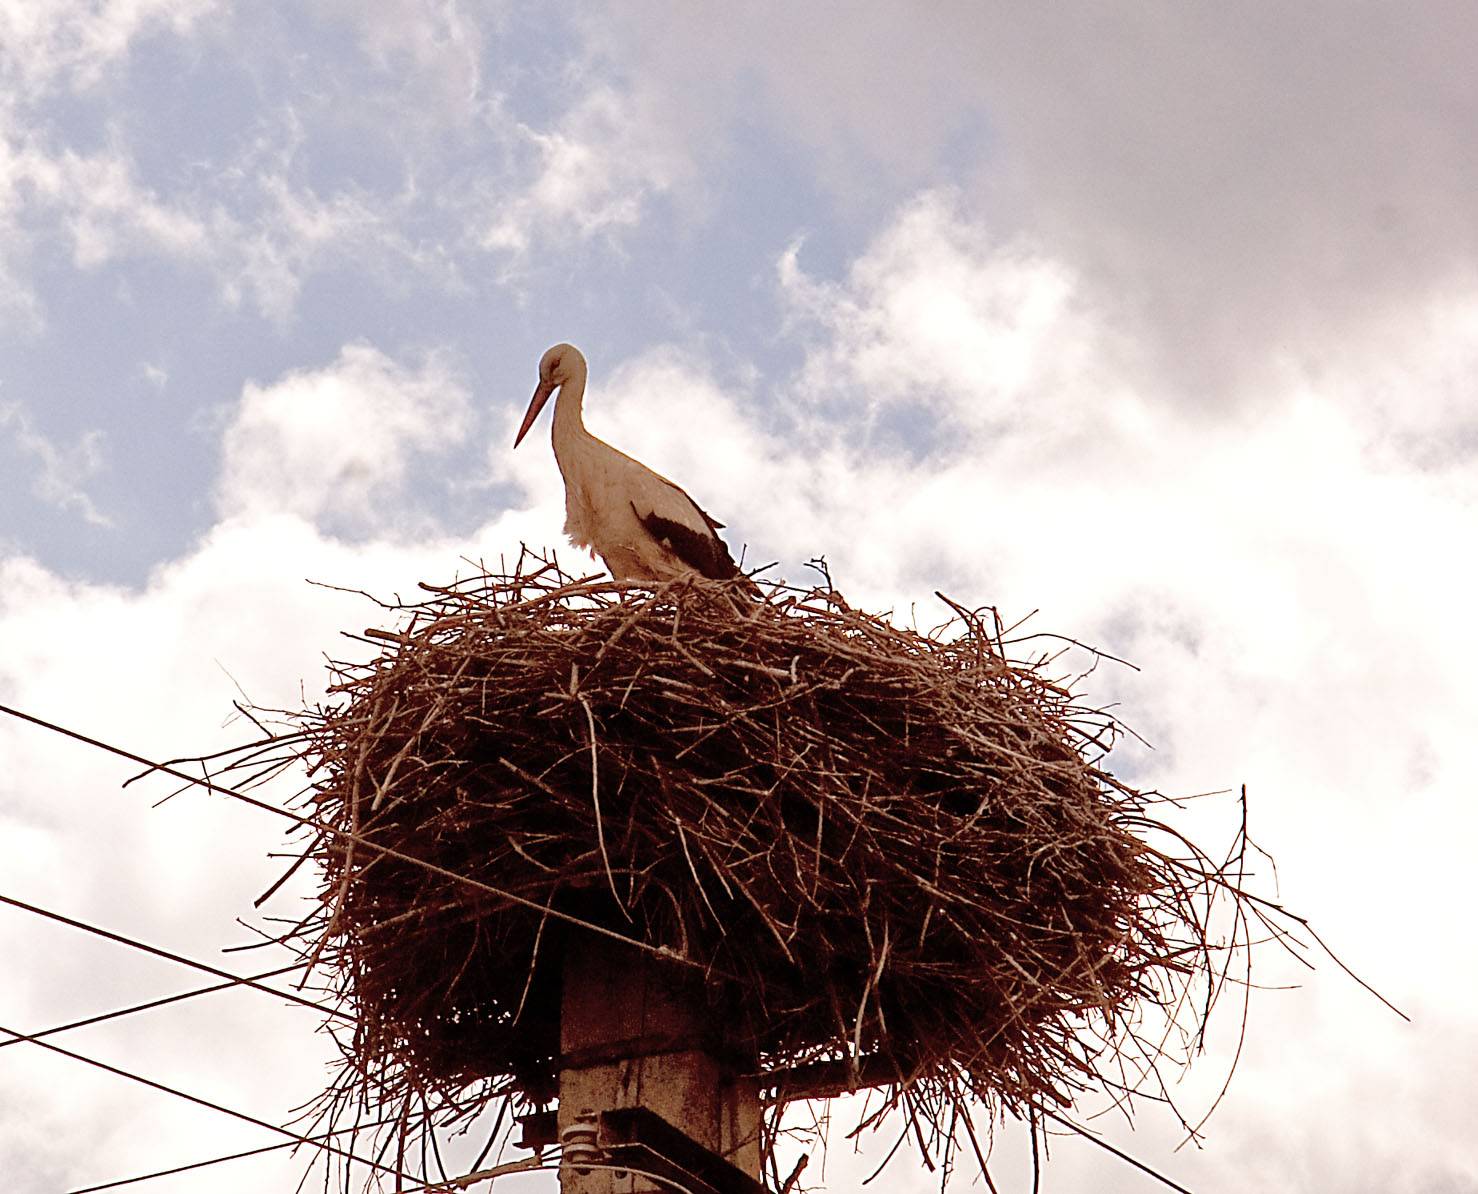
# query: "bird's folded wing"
[[703, 551]]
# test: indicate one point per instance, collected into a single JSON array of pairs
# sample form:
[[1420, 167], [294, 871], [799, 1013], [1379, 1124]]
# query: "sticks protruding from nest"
[[895, 857]]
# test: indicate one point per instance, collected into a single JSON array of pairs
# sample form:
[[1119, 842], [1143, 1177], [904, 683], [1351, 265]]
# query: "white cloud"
[[103, 207], [1411, 379], [256, 216], [94, 197], [257, 227], [59, 472], [1229, 180], [259, 240], [78, 39], [280, 234], [594, 172], [433, 48], [338, 443], [940, 316]]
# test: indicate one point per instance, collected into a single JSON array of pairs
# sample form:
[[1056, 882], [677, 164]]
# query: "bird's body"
[[642, 525]]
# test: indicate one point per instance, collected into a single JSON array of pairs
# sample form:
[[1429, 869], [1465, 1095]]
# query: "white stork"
[[642, 525]]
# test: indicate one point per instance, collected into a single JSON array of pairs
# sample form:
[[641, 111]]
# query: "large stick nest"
[[891, 851]]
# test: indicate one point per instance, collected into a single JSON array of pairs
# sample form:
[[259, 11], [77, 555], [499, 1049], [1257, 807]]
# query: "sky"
[[1158, 323]]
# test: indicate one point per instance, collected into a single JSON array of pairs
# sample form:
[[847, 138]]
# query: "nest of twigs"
[[893, 852]]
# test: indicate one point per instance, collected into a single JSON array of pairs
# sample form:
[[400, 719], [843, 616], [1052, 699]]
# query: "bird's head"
[[556, 367], [559, 364]]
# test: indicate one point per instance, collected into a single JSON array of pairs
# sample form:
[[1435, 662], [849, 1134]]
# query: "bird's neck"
[[568, 416]]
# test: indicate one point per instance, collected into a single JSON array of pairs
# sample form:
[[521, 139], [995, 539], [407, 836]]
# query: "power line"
[[1118, 1152], [345, 835], [295, 1137], [153, 1003], [133, 943], [250, 1152]]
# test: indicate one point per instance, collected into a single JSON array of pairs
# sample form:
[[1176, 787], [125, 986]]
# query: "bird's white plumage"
[[604, 491], [642, 525]]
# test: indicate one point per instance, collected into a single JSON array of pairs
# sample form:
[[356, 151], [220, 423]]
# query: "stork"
[[642, 525]]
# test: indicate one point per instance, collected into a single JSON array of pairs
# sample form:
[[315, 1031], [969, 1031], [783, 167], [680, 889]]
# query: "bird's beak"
[[536, 404]]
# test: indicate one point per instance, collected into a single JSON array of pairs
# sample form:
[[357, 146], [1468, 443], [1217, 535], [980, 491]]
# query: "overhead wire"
[[169, 955], [236, 1156], [119, 1013], [153, 1084], [1083, 1132], [347, 836]]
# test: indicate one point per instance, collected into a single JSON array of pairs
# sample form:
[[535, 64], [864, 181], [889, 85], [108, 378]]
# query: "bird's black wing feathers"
[[706, 554]]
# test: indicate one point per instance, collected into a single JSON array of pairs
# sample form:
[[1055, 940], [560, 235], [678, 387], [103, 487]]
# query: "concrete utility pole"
[[635, 1033]]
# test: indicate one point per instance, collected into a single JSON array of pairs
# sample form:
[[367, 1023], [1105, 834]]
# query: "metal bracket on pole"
[[635, 1138]]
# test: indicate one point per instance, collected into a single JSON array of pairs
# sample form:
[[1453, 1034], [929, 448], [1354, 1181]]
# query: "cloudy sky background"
[[1160, 321]]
